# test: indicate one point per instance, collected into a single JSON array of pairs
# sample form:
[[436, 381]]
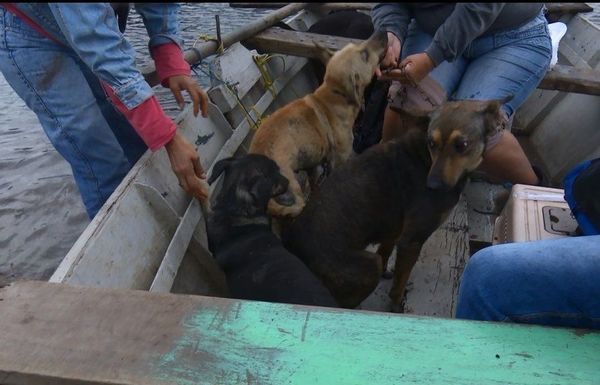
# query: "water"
[[41, 213]]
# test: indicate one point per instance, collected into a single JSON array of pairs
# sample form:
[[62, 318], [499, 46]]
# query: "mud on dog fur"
[[255, 263], [318, 127], [397, 192]]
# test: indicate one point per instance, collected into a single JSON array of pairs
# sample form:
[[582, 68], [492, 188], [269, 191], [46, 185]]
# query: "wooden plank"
[[279, 40], [59, 334], [571, 79], [434, 282], [165, 275], [568, 7]]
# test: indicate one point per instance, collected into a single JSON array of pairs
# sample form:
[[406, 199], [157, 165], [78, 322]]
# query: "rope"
[[232, 88], [206, 37], [261, 62]]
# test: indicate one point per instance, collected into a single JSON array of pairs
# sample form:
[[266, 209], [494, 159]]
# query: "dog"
[[318, 127], [353, 24], [255, 263], [395, 192]]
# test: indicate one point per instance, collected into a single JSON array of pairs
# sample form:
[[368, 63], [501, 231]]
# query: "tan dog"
[[318, 127]]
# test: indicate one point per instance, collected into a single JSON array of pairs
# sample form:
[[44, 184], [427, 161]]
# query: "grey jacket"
[[453, 25]]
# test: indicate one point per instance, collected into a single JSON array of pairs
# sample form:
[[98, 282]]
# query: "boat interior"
[[164, 247]]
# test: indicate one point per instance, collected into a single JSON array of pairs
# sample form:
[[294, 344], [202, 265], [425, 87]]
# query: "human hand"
[[416, 67], [186, 166], [177, 83], [392, 54], [412, 69]]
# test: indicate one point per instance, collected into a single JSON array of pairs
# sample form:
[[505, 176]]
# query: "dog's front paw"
[[387, 274]]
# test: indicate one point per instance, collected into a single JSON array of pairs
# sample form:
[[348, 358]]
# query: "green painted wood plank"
[[262, 343], [59, 334]]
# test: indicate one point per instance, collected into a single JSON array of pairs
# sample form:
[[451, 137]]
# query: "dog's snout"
[[380, 36], [379, 39], [435, 182]]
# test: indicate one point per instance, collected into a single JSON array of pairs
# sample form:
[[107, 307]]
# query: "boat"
[[164, 245], [150, 236]]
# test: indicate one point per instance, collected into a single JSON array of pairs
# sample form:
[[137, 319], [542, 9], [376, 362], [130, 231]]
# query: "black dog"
[[255, 263]]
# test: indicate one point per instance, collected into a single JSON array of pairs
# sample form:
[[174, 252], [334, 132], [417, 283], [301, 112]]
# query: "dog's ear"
[[420, 117], [219, 167], [323, 53], [495, 118]]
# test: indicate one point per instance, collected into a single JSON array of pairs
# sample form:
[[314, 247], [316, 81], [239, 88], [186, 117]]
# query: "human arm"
[[467, 22], [92, 32], [166, 48], [392, 18]]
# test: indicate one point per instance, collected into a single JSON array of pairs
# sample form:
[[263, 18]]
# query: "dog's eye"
[[365, 54], [461, 145], [430, 143]]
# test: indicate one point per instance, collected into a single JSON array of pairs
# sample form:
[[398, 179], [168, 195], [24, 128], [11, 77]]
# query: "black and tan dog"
[[395, 192], [255, 263], [318, 127]]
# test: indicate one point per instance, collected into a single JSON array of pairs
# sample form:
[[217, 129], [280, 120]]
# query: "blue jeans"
[[73, 109], [552, 282], [492, 67]]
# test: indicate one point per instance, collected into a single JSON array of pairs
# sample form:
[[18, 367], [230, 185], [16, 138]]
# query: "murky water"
[[41, 214]]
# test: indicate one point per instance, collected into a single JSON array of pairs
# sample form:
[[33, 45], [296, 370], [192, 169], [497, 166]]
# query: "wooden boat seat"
[[278, 40], [59, 334]]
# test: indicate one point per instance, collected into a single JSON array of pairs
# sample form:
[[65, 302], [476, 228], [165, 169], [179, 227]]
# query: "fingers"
[[204, 103], [178, 96], [185, 163], [198, 170], [191, 183], [197, 94], [196, 188]]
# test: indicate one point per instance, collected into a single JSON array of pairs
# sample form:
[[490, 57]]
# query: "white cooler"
[[534, 213]]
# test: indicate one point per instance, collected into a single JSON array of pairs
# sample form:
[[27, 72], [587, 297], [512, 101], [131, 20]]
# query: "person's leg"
[[48, 78], [430, 93], [551, 282], [507, 63]]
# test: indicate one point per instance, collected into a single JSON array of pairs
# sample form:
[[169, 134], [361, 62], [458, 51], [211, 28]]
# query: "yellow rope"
[[207, 37], [261, 63]]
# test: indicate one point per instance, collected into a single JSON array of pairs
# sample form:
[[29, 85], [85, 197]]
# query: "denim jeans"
[[74, 111], [494, 66], [552, 282]]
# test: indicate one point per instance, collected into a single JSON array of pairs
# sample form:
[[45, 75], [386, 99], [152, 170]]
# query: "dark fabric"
[[582, 193], [453, 25]]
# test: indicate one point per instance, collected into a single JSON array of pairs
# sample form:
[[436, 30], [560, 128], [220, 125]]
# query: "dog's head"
[[250, 181], [351, 69], [457, 133]]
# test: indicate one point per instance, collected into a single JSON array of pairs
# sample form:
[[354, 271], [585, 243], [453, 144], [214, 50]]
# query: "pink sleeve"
[[169, 61], [148, 119]]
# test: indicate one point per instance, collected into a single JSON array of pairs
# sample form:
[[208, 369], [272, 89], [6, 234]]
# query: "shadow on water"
[[41, 213]]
